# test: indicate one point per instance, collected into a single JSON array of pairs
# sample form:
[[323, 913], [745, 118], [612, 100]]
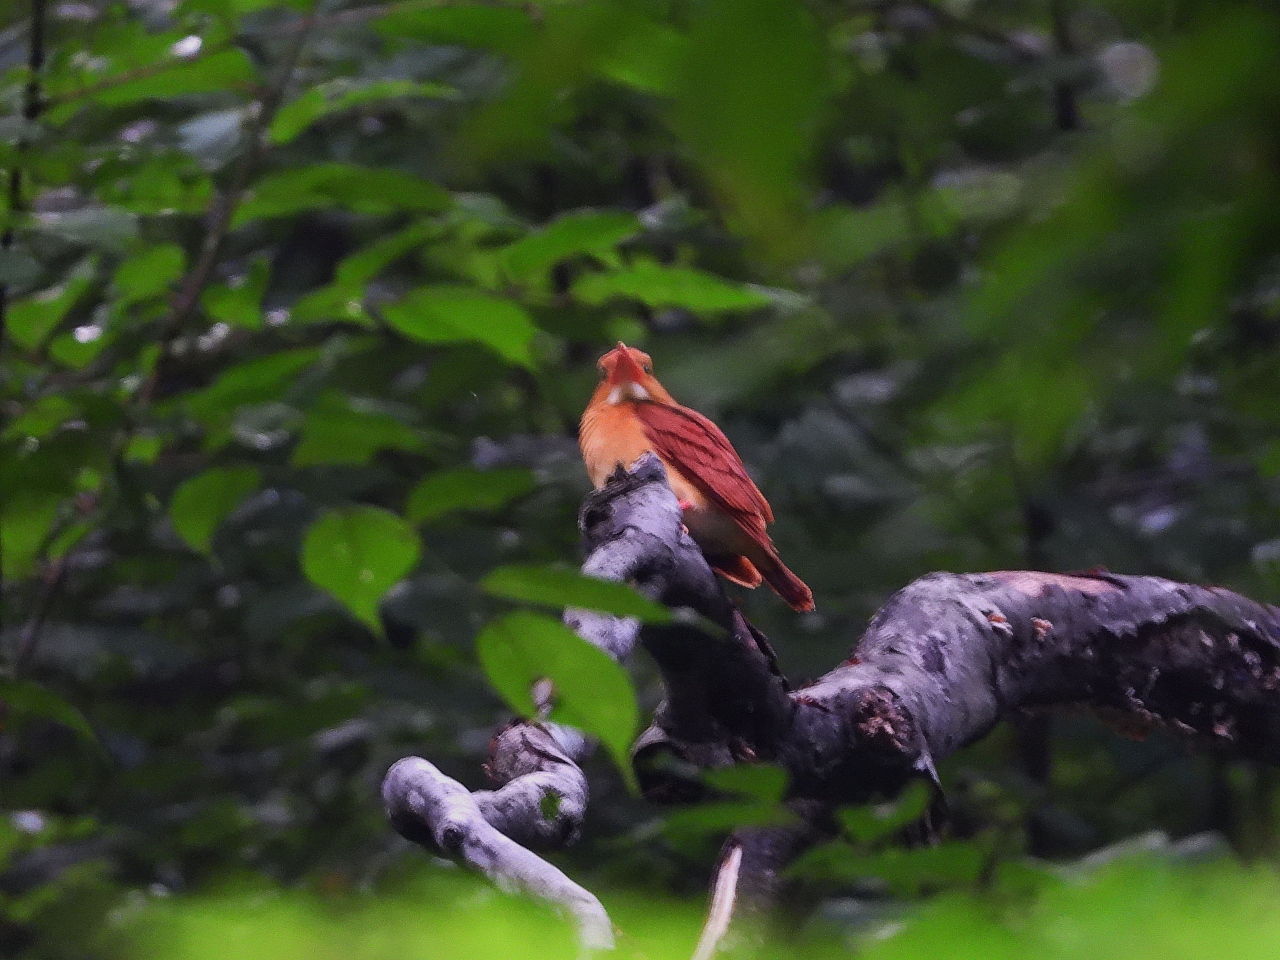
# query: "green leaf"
[[592, 692], [907, 873], [502, 28], [580, 232], [724, 816], [649, 59], [238, 303], [447, 490], [760, 781], [34, 317], [26, 700], [78, 350], [658, 286], [343, 299], [205, 500], [869, 823], [103, 228], [747, 104], [359, 189], [148, 273], [26, 519], [555, 586], [357, 554], [214, 73], [41, 419], [848, 235], [343, 94], [260, 380], [341, 429], [143, 448], [448, 314]]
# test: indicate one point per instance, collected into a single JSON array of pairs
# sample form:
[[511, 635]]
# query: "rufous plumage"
[[631, 414]]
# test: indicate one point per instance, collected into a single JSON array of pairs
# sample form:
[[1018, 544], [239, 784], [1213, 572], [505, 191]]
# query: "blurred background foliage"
[[303, 304]]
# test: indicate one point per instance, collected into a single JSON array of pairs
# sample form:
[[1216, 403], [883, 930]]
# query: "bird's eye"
[[647, 367]]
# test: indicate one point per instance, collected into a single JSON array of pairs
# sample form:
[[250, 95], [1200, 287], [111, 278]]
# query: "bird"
[[630, 414]]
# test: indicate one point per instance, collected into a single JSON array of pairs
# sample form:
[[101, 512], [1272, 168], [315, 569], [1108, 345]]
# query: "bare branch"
[[423, 804]]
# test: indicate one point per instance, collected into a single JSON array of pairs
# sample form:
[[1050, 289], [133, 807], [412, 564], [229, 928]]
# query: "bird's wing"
[[703, 454]]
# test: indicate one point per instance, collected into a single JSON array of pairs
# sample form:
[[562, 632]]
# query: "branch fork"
[[943, 661]]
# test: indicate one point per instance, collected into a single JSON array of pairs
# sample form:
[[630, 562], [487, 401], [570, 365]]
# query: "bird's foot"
[[685, 505]]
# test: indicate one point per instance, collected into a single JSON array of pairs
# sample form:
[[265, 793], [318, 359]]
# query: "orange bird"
[[631, 414]]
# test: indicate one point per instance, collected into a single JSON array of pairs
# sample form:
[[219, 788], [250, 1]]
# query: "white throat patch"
[[627, 391]]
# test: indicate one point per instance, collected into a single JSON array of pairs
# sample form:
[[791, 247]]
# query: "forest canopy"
[[302, 303]]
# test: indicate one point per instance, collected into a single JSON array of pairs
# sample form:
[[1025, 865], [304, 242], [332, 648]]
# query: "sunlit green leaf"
[[565, 587], [357, 554], [658, 286], [448, 314], [582, 232], [592, 692], [148, 273], [349, 430]]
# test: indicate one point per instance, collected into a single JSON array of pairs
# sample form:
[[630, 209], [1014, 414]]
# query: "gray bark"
[[939, 665]]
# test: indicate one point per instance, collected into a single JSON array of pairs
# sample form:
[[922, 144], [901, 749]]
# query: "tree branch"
[[423, 804], [939, 665]]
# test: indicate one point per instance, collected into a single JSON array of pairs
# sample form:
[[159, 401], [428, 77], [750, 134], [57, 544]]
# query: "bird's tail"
[[784, 583]]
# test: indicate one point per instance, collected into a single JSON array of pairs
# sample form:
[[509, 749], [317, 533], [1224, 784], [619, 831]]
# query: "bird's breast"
[[611, 435]]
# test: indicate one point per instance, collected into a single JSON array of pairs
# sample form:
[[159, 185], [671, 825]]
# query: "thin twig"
[[32, 106], [1066, 112], [225, 204], [55, 577], [724, 894], [300, 25]]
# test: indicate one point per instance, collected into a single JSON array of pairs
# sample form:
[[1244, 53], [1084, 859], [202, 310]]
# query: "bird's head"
[[628, 375]]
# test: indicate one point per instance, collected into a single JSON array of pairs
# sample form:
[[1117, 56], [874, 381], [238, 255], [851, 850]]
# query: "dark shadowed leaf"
[[102, 228], [27, 701], [202, 502], [338, 95], [464, 489]]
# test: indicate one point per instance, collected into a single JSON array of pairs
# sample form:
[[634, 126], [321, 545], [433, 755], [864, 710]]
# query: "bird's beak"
[[626, 370]]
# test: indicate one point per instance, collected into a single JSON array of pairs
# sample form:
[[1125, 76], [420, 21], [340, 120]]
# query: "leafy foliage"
[[303, 304]]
